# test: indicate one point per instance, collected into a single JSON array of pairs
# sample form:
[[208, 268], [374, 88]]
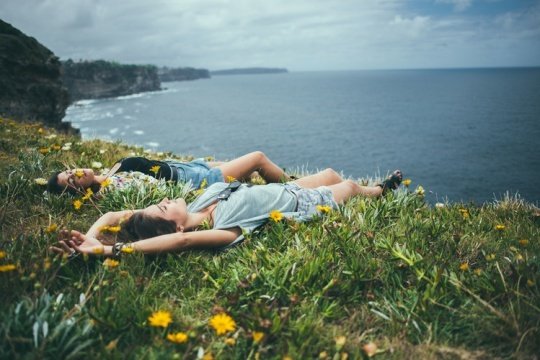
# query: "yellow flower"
[[40, 181], [230, 179], [276, 215], [464, 267], [2, 254], [155, 169], [530, 283], [51, 228], [208, 356], [127, 249], [44, 150], [407, 182], [111, 229], [477, 272], [500, 227], [40, 130], [111, 263], [47, 264], [323, 355], [160, 318], [257, 336], [519, 257], [7, 267], [523, 242], [56, 147], [88, 195], [490, 257], [99, 250], [420, 190], [79, 173], [464, 213], [340, 341], [177, 338], [77, 204], [230, 341], [106, 183], [324, 208], [222, 323]]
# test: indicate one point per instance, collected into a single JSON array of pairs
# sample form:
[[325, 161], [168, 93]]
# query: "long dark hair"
[[140, 226]]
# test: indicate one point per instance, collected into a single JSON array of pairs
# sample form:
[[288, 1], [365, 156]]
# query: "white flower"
[[439, 205], [51, 136], [97, 165], [66, 147], [102, 151]]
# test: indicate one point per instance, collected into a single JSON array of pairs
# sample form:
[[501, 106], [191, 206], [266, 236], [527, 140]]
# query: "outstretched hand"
[[71, 242]]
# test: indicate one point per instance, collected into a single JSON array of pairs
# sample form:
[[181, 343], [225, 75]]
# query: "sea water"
[[464, 135]]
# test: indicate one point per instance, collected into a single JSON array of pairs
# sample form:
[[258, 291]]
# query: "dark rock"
[[102, 79], [30, 84]]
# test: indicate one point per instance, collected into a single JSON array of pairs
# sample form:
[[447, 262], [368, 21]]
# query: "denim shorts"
[[308, 199], [195, 172]]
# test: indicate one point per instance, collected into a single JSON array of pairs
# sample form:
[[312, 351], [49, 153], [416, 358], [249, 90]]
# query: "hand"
[[73, 241]]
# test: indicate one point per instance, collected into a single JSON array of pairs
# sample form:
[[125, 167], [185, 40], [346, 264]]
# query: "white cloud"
[[459, 5]]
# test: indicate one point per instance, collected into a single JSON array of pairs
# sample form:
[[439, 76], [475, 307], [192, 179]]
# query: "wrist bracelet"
[[117, 248]]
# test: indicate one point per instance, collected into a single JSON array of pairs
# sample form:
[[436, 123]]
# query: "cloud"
[[459, 5]]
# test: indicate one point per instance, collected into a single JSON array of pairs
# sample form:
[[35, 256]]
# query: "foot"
[[392, 182]]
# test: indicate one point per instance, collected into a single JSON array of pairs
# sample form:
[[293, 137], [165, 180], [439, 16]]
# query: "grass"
[[392, 278]]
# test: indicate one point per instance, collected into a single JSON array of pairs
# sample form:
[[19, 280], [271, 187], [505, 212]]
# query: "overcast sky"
[[296, 34]]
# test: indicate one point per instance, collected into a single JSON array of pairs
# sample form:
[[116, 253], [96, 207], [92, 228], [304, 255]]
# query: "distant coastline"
[[249, 71]]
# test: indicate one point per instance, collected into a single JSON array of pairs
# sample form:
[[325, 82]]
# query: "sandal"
[[392, 182]]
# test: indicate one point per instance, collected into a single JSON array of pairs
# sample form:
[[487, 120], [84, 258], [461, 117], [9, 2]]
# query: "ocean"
[[466, 135]]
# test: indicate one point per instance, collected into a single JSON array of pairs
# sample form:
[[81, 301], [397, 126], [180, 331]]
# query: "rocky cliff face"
[[30, 84], [102, 79]]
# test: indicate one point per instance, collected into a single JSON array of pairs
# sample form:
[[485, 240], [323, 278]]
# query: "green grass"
[[415, 280]]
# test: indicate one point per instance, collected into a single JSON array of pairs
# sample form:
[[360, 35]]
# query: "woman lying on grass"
[[197, 172], [230, 209]]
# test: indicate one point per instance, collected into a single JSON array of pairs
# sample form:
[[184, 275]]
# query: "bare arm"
[[160, 244], [111, 218]]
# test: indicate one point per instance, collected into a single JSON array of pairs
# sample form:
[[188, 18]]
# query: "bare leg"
[[322, 178], [347, 189], [214, 164], [242, 168]]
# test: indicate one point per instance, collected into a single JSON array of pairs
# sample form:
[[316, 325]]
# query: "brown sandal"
[[392, 182]]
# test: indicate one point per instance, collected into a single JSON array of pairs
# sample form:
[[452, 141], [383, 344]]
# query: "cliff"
[[103, 79], [30, 80], [182, 74], [249, 71]]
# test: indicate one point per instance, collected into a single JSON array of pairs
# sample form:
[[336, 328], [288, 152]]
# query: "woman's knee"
[[259, 157], [332, 174]]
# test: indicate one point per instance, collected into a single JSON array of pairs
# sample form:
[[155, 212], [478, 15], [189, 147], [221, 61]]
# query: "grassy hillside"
[[388, 278]]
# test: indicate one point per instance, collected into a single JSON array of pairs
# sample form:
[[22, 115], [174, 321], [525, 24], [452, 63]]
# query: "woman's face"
[[175, 210], [77, 178]]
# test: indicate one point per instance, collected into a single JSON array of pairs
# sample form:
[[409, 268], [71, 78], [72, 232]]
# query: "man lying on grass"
[[230, 210]]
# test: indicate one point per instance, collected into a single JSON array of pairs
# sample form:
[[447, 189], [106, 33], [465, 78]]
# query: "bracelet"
[[117, 248]]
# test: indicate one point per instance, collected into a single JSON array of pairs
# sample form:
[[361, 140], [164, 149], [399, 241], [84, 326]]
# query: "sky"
[[300, 35]]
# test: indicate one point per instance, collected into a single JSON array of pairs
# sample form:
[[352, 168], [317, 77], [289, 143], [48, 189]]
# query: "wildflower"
[[519, 257], [222, 323], [50, 136], [2, 254], [420, 190], [88, 194], [77, 204], [105, 183], [324, 208], [160, 318], [66, 147], [500, 227], [51, 228], [47, 264], [230, 179], [44, 151], [257, 336], [177, 338], [530, 283], [111, 263], [155, 169], [370, 349], [127, 249], [407, 182], [208, 356], [477, 272], [98, 250], [97, 165], [40, 181], [464, 213], [79, 173], [55, 147], [102, 151], [230, 341], [40, 130], [7, 267], [439, 205], [490, 257], [276, 215], [464, 266], [340, 341], [523, 242], [323, 355], [111, 229]]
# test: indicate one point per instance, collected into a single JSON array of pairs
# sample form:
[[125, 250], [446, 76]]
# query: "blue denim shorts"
[[308, 199], [195, 172]]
